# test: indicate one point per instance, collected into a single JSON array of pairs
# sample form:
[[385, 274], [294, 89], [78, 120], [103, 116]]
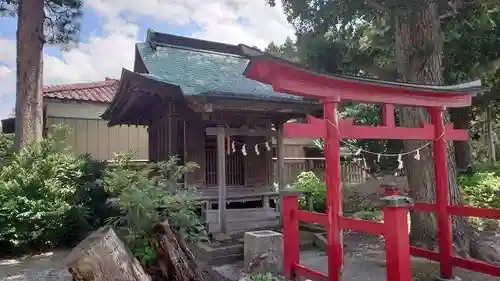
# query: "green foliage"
[[355, 204], [148, 196], [38, 190], [62, 19], [266, 277], [311, 186], [6, 148], [482, 187], [287, 51], [51, 197], [372, 215]]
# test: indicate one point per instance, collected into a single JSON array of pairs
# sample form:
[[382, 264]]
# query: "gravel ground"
[[43, 267], [364, 261]]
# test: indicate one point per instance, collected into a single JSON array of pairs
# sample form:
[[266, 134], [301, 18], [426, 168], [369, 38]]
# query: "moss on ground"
[[424, 270]]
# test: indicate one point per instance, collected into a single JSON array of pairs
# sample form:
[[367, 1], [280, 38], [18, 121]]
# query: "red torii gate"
[[330, 90]]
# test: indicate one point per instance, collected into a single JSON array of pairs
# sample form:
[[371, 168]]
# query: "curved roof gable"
[[201, 67], [285, 76]]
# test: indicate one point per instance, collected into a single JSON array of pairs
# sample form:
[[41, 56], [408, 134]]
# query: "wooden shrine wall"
[[195, 152], [258, 167], [162, 139], [163, 136]]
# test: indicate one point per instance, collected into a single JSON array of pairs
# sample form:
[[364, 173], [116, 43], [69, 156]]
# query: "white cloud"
[[7, 76], [230, 21], [103, 56], [8, 52]]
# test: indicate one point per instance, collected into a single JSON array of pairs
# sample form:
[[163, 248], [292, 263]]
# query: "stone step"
[[208, 251], [222, 260]]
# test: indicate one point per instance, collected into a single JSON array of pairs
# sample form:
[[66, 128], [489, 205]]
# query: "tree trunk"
[[463, 153], [419, 45], [30, 42], [102, 256], [176, 261], [490, 140]]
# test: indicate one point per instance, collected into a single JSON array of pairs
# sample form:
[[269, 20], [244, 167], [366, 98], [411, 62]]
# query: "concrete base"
[[222, 237], [452, 279], [217, 253], [263, 252]]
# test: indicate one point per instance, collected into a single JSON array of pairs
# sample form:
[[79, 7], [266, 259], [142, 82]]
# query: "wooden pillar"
[[397, 250], [291, 241], [442, 195], [280, 150], [221, 177], [333, 190]]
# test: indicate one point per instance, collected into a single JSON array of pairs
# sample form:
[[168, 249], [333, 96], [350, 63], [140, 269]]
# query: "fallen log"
[[175, 260], [102, 256]]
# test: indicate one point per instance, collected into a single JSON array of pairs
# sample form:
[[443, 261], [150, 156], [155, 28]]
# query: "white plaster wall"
[[74, 109], [91, 134]]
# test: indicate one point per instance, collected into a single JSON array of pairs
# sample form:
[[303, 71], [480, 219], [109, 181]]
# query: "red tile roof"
[[102, 91]]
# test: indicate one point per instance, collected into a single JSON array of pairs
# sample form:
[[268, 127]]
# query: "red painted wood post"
[[442, 196], [333, 190], [290, 233], [397, 241]]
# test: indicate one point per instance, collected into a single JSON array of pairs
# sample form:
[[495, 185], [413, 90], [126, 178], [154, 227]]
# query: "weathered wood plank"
[[247, 214], [221, 177], [212, 131], [243, 225]]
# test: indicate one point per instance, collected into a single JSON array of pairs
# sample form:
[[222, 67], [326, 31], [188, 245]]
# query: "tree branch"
[[481, 70], [458, 6], [378, 6], [379, 72]]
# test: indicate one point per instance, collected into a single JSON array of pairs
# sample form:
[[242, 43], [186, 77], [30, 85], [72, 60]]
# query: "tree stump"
[[176, 261], [102, 256]]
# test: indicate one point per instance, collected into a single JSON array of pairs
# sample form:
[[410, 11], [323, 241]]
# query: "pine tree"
[[39, 22]]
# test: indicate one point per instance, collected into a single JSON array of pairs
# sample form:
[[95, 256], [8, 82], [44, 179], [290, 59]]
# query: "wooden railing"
[[351, 172]]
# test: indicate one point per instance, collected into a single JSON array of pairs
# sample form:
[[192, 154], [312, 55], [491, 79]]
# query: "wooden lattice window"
[[235, 165]]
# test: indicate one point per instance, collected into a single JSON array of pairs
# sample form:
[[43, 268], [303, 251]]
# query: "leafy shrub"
[[38, 188], [312, 186], [482, 187], [373, 215], [146, 197], [266, 277], [354, 203], [6, 148]]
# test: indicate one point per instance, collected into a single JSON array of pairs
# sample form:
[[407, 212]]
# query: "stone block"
[[263, 252]]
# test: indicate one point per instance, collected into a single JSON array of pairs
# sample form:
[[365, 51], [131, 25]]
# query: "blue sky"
[[110, 28]]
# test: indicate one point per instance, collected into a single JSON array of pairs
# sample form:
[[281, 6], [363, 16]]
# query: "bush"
[[482, 187], [312, 186], [148, 196], [266, 277], [6, 148], [354, 203], [38, 190], [50, 197]]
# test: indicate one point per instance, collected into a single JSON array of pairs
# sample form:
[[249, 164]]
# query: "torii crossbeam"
[[330, 90]]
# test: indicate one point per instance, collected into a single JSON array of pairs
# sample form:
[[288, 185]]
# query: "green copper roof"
[[200, 72]]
